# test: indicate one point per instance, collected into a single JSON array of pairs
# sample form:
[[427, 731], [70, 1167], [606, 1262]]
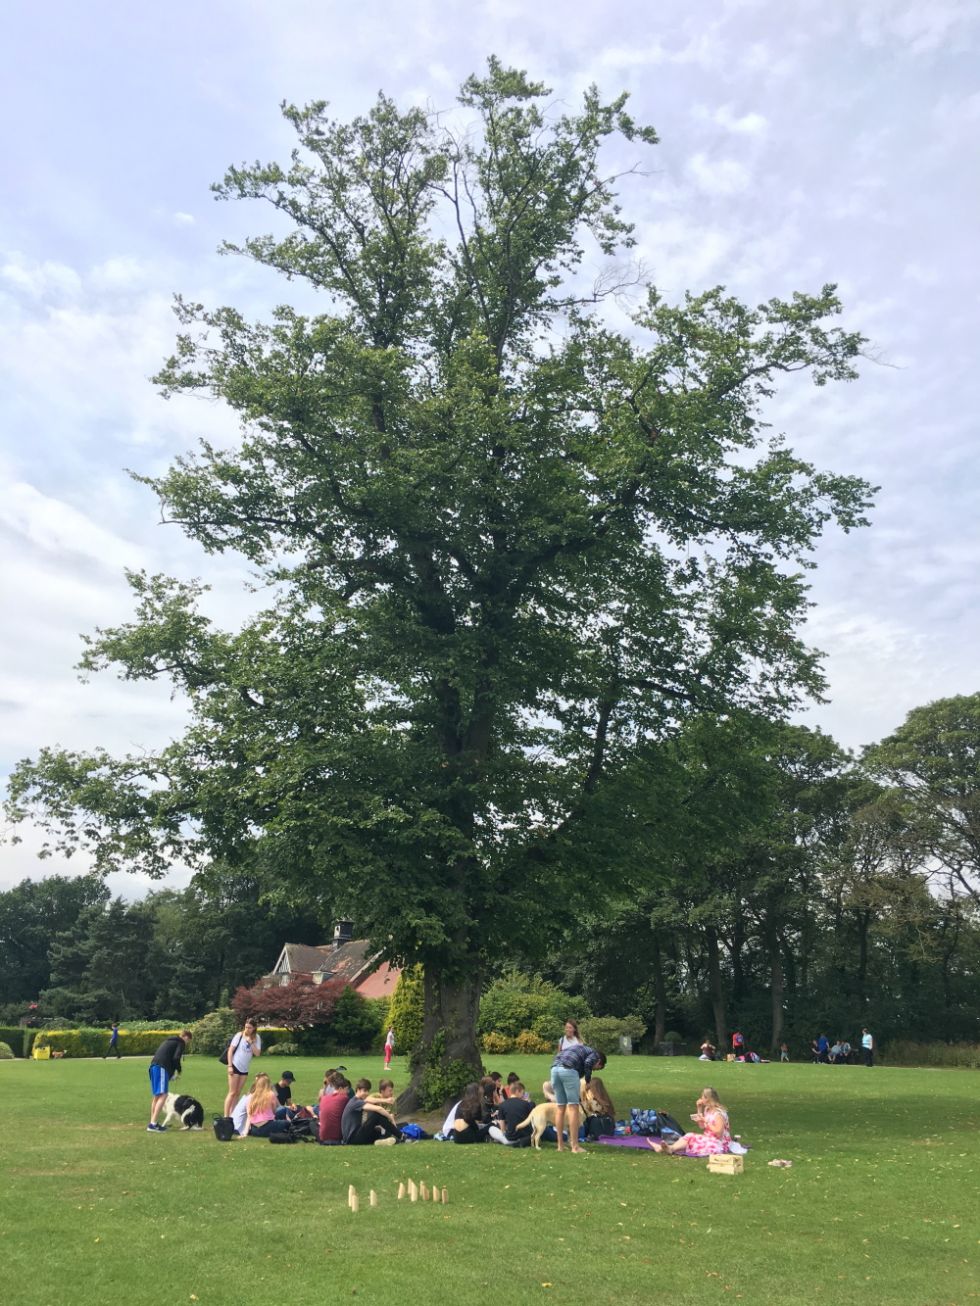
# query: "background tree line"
[[778, 884]]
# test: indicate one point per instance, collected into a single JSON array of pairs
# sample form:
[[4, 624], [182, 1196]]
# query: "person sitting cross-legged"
[[260, 1118], [512, 1112], [365, 1122]]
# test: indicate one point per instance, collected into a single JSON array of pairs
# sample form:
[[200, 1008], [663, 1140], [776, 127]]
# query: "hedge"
[[16, 1037], [95, 1042]]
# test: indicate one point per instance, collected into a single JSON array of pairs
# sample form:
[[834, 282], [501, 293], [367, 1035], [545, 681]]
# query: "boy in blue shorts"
[[163, 1067]]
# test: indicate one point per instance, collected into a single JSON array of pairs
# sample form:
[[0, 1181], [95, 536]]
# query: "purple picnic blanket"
[[626, 1140]]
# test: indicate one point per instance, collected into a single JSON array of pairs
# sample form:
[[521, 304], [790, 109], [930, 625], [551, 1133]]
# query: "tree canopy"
[[508, 548]]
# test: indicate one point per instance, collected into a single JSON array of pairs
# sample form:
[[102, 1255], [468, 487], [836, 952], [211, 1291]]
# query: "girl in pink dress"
[[715, 1136]]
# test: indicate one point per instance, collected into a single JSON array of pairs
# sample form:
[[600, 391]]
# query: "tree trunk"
[[448, 1031], [861, 980], [659, 994], [777, 987], [715, 989]]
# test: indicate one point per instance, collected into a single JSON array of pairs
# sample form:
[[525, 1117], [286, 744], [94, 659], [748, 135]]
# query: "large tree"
[[507, 545], [933, 761]]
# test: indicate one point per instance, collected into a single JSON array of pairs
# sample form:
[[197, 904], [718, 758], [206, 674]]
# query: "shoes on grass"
[[156, 1129], [386, 1142]]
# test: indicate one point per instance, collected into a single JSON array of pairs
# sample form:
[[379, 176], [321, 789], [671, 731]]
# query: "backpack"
[[599, 1126], [653, 1124], [285, 1137], [225, 1057], [224, 1129], [305, 1128]]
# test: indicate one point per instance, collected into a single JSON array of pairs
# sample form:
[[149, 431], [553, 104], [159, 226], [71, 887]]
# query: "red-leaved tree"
[[300, 1004]]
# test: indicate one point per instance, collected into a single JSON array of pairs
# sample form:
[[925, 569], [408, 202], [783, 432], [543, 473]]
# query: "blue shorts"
[[159, 1081], [565, 1084]]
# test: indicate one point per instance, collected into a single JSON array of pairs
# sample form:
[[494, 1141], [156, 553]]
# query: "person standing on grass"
[[164, 1066], [571, 1066], [389, 1047], [113, 1048], [868, 1047], [738, 1044], [242, 1048]]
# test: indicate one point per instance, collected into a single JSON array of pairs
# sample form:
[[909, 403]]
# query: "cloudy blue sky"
[[821, 140]]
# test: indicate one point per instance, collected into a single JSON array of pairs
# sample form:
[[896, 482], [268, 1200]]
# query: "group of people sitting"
[[826, 1053], [344, 1113]]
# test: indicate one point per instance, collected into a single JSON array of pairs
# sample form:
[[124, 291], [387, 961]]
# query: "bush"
[[284, 1050], [406, 1010], [603, 1032], [440, 1084], [516, 1002], [353, 1026], [16, 1037], [6, 1052], [531, 1044], [496, 1045], [212, 1032]]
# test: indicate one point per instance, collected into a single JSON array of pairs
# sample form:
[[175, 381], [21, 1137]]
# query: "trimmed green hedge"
[[17, 1038], [95, 1042]]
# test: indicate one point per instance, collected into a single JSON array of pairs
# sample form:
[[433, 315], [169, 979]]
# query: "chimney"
[[343, 932]]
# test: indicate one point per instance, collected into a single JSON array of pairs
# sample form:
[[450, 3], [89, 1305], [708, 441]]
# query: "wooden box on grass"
[[725, 1163]]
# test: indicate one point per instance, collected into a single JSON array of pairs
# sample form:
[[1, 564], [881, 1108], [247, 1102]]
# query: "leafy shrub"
[[440, 1084], [212, 1032], [284, 1050], [353, 1026], [532, 1044], [443, 1084], [516, 1002], [496, 1045], [549, 1027], [406, 1010], [6, 1052], [603, 1032]]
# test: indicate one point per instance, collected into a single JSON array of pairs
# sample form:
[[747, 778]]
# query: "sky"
[[824, 140]]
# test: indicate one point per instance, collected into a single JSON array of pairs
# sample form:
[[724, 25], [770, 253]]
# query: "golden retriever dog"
[[594, 1101]]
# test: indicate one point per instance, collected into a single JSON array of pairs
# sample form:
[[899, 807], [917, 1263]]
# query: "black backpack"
[[599, 1126]]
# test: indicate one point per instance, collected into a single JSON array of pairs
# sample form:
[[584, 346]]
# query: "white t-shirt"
[[239, 1113], [240, 1054], [447, 1125], [567, 1042], [867, 1041]]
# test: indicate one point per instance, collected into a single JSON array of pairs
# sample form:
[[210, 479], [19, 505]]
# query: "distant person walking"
[[738, 1044], [389, 1047], [113, 1048], [868, 1047]]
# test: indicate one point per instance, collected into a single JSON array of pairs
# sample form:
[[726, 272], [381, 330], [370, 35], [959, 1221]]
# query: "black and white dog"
[[178, 1106]]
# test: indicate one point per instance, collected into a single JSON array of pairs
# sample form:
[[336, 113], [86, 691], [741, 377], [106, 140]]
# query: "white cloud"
[[748, 124], [184, 219], [43, 279], [717, 177]]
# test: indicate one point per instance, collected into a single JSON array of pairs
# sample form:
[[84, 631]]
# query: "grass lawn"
[[882, 1203]]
